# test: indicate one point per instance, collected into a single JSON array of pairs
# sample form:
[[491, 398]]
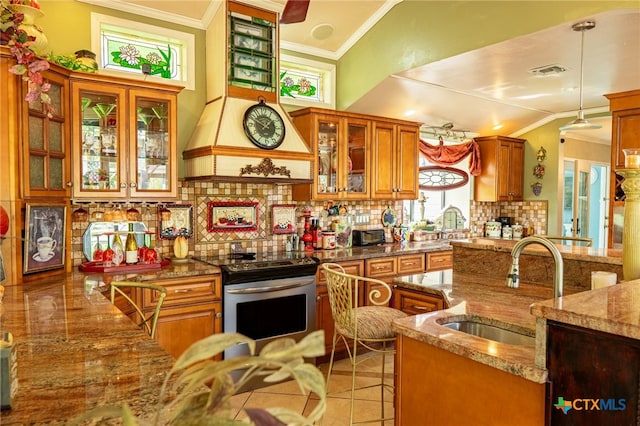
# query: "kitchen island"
[[469, 379]]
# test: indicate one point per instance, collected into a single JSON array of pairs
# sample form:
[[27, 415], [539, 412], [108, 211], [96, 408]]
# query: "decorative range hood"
[[242, 66]]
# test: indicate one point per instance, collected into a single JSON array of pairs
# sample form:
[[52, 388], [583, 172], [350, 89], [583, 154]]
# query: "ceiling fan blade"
[[294, 11]]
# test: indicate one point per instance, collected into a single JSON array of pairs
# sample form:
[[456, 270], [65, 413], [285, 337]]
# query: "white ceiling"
[[474, 90]]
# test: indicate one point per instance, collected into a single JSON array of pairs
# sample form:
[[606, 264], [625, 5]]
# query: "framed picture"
[[283, 218], [180, 223], [232, 216], [45, 228]]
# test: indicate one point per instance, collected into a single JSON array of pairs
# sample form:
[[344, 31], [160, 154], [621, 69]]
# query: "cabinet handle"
[[123, 185], [183, 290], [218, 314], [317, 297], [409, 263], [420, 308], [69, 184], [132, 184]]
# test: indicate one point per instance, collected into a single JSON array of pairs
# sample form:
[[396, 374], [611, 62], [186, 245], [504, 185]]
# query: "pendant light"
[[581, 123]]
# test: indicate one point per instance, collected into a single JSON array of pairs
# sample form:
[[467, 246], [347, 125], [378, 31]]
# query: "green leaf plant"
[[198, 389]]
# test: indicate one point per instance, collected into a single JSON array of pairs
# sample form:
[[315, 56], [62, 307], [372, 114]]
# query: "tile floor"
[[367, 404]]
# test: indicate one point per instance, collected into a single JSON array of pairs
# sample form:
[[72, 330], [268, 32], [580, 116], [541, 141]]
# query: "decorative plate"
[[388, 217]]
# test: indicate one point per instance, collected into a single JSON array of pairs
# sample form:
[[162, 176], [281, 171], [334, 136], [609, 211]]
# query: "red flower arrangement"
[[28, 65]]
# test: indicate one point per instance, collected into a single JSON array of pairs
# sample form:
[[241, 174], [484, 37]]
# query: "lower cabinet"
[[415, 302], [597, 372], [192, 310], [437, 387], [180, 327], [324, 319], [439, 260]]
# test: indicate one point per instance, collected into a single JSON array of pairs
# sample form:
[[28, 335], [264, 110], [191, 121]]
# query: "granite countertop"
[[473, 296], [614, 309], [76, 350], [382, 250], [613, 256]]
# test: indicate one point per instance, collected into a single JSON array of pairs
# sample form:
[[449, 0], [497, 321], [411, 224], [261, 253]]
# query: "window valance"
[[448, 155]]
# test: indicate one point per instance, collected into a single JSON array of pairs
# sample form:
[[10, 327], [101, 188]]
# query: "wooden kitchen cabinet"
[[192, 310], [431, 382], [414, 302], [46, 148], [625, 108], [324, 319], [359, 156], [438, 260], [501, 177], [394, 171], [124, 139], [341, 143], [411, 264]]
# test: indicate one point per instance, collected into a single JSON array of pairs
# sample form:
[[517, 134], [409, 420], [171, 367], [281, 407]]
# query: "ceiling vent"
[[548, 70]]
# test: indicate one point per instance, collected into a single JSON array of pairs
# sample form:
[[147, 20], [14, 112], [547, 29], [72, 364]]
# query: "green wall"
[[397, 42], [67, 25]]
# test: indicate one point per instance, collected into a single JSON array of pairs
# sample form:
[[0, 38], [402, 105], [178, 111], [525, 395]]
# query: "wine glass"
[[98, 253]]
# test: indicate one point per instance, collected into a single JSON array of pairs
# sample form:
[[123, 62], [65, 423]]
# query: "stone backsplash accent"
[[205, 243], [534, 212]]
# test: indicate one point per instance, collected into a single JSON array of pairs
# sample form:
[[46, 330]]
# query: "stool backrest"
[[148, 320], [343, 294]]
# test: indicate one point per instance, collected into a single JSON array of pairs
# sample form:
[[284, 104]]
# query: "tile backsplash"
[[534, 212], [366, 214]]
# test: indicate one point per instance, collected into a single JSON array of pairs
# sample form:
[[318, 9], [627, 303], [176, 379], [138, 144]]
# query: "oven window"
[[272, 317]]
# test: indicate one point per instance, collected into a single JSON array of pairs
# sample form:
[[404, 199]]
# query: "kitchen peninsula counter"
[[75, 350]]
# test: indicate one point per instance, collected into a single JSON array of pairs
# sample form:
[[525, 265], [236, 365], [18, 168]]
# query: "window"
[[139, 49], [304, 82]]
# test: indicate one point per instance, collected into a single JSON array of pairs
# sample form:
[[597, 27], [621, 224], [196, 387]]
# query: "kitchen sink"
[[491, 332]]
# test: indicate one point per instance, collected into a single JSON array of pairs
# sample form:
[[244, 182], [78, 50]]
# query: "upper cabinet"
[[46, 147], [395, 160], [501, 178], [341, 143], [358, 157], [124, 140], [625, 108]]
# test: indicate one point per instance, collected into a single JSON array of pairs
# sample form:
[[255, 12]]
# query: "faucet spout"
[[513, 277]]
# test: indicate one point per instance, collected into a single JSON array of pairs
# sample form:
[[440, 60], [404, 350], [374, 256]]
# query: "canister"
[[328, 240], [507, 232], [493, 229], [517, 231]]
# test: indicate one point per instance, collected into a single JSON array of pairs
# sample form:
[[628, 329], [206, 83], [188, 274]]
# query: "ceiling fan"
[[294, 11]]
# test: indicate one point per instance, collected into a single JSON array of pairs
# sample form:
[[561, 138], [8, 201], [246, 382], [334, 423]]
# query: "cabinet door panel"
[[411, 264], [414, 303], [516, 176], [180, 327], [99, 140], [439, 260], [407, 163], [383, 161]]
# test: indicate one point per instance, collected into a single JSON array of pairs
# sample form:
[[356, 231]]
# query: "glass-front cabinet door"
[[152, 160], [46, 151], [342, 158], [99, 141]]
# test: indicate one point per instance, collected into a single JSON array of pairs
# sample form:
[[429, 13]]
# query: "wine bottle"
[[118, 248], [131, 247]]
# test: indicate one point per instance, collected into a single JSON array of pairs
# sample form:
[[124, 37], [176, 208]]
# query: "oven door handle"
[[252, 290]]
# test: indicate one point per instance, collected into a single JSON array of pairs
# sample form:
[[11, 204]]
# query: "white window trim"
[[328, 80], [98, 19]]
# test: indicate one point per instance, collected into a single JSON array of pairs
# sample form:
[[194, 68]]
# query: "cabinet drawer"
[[411, 264], [355, 267], [187, 290], [439, 260], [382, 267], [414, 303]]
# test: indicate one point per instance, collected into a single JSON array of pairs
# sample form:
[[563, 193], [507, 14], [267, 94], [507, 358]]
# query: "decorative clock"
[[263, 126]]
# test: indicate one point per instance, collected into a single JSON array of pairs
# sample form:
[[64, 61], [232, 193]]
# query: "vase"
[[40, 44]]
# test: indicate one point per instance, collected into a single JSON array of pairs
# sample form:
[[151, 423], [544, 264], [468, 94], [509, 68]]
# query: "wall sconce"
[[541, 154]]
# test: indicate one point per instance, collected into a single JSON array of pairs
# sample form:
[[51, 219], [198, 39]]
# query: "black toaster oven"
[[368, 237]]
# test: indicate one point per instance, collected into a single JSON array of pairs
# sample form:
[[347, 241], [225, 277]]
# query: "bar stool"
[[369, 326], [150, 321]]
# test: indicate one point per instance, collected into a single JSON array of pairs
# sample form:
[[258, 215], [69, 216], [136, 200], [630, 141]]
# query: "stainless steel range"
[[267, 297]]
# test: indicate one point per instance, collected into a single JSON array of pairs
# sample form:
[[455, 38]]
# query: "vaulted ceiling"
[[474, 90]]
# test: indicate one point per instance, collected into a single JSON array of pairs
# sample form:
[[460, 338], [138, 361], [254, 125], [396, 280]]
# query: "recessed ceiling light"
[[409, 112], [497, 127], [322, 31]]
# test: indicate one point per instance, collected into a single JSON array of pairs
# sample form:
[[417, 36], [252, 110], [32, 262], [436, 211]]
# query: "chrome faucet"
[[513, 276]]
